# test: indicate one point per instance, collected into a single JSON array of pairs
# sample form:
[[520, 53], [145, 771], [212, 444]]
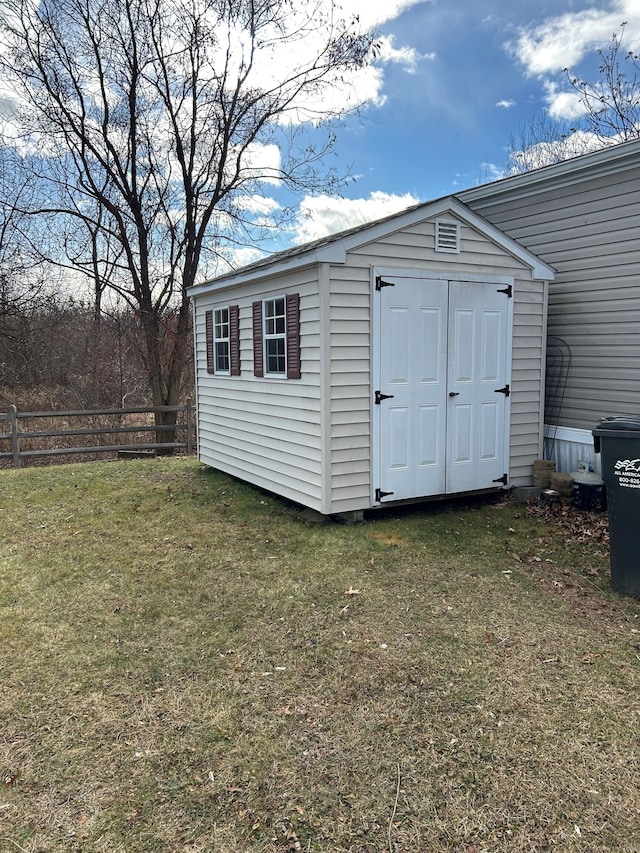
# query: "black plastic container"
[[618, 440], [590, 497]]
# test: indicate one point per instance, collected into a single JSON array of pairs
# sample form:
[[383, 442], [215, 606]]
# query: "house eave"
[[603, 162]]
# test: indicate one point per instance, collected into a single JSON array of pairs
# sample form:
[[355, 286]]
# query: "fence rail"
[[18, 439]]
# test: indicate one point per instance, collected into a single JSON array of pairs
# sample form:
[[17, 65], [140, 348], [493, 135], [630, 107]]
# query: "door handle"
[[454, 393]]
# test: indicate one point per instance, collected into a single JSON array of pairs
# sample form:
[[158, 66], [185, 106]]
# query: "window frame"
[[231, 339], [275, 336], [218, 339], [292, 337]]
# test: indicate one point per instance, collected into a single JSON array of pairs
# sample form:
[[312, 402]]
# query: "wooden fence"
[[135, 424]]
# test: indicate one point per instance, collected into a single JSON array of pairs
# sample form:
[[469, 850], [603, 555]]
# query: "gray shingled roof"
[[313, 245]]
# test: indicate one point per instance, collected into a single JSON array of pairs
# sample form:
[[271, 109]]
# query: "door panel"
[[489, 430], [399, 431], [428, 443], [442, 351], [412, 369], [476, 439], [460, 430]]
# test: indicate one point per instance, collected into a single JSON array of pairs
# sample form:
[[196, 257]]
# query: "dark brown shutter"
[[293, 336], [234, 340], [208, 317], [258, 368]]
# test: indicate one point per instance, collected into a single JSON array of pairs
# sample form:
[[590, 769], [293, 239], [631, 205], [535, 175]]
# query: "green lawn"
[[189, 665]]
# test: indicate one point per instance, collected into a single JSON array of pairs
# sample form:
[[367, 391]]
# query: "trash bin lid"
[[617, 425]]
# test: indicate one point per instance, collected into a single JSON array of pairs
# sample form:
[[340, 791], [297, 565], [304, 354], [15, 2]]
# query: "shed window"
[[276, 337], [222, 327], [221, 339], [275, 327]]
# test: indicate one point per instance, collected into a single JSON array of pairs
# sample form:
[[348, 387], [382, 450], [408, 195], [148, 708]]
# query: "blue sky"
[[458, 80], [453, 86]]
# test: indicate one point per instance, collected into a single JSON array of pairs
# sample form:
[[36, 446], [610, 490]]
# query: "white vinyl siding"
[[350, 372], [265, 431]]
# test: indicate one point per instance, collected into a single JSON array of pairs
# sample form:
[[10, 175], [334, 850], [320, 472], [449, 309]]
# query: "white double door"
[[441, 422]]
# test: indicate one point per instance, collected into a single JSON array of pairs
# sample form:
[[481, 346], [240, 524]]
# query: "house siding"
[[587, 226]]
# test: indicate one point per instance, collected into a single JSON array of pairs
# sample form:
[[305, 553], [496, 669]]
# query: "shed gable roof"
[[334, 248]]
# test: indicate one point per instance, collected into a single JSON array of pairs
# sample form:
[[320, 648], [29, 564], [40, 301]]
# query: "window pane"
[[275, 355], [222, 356], [222, 323]]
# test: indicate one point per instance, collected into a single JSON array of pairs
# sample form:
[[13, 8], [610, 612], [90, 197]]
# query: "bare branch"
[[145, 121]]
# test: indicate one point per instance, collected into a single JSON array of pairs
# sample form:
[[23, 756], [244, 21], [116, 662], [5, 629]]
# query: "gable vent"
[[447, 235]]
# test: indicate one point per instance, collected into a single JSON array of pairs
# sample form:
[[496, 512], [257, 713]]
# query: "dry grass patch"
[[188, 665]]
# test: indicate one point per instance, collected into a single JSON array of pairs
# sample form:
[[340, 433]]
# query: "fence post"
[[15, 441], [189, 428]]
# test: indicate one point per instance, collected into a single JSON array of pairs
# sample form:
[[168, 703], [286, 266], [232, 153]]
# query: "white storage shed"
[[397, 361]]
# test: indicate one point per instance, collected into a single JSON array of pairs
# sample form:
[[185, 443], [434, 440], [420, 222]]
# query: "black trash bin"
[[618, 440]]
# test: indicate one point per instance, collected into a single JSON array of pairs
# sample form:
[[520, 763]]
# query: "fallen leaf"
[[11, 779]]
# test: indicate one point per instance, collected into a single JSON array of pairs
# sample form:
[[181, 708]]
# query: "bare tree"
[[611, 114], [149, 122], [612, 103], [543, 141], [23, 280]]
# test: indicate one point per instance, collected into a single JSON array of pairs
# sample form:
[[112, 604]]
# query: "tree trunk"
[[167, 349]]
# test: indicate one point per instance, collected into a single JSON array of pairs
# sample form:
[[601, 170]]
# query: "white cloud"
[[488, 172], [406, 56], [563, 41], [262, 162], [556, 150], [374, 13], [261, 204], [242, 257], [283, 55], [323, 215], [506, 104], [344, 94], [562, 105], [548, 48]]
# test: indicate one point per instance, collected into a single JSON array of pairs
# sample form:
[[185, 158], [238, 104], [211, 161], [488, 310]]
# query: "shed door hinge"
[[380, 397], [506, 391], [508, 290], [504, 480], [380, 494], [380, 283]]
